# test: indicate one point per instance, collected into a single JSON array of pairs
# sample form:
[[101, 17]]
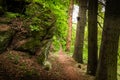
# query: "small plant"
[[34, 28], [31, 72]]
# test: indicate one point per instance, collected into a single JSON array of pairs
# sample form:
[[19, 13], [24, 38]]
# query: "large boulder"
[[32, 33]]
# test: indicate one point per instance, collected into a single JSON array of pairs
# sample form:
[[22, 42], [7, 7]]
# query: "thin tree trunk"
[[107, 67], [69, 36], [78, 51], [92, 37]]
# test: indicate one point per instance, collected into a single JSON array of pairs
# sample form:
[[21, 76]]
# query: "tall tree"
[[68, 42], [92, 37], [107, 67], [78, 51], [1, 8]]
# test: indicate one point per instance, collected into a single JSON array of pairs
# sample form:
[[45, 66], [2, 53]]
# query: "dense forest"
[[59, 40]]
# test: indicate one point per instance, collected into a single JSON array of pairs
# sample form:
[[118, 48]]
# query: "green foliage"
[[40, 16], [60, 9], [34, 27], [40, 12], [85, 48], [12, 15], [56, 42], [34, 9], [118, 72]]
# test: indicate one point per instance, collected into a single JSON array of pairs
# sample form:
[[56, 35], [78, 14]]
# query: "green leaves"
[[60, 9], [34, 27], [12, 15]]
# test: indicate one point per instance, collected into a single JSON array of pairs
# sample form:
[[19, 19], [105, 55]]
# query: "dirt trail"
[[69, 68]]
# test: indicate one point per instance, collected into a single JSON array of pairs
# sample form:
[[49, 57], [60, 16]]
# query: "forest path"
[[68, 69]]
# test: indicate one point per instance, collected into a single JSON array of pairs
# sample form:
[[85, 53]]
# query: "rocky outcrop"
[[30, 32]]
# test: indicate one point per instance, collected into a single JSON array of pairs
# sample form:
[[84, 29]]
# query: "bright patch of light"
[[75, 13]]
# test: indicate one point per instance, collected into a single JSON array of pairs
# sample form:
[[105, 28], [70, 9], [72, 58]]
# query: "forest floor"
[[15, 65], [65, 67]]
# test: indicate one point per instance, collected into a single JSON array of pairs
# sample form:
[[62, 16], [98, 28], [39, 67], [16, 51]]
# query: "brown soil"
[[63, 67], [67, 68]]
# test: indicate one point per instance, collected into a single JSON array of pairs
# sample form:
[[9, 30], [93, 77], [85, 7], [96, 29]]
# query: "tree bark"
[[2, 7], [78, 51], [69, 36], [92, 37], [107, 67]]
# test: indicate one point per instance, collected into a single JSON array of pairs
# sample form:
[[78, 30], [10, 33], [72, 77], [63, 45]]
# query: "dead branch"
[[100, 25], [100, 16]]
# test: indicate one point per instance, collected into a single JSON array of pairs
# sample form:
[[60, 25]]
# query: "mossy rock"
[[41, 28], [30, 33], [30, 46], [5, 37]]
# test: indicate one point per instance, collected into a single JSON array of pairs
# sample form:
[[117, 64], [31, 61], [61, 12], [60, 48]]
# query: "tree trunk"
[[78, 51], [107, 67], [2, 8], [69, 36], [92, 37]]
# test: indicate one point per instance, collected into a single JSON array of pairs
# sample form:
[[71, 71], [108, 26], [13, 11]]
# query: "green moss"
[[41, 16], [41, 59], [4, 40], [30, 46], [38, 22], [34, 28], [34, 9], [11, 15]]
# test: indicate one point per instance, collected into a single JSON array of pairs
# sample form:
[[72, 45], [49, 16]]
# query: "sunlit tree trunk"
[[107, 67], [69, 36], [92, 37], [78, 51]]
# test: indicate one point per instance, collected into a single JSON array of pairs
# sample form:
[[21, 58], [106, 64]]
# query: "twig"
[[100, 16], [100, 25]]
